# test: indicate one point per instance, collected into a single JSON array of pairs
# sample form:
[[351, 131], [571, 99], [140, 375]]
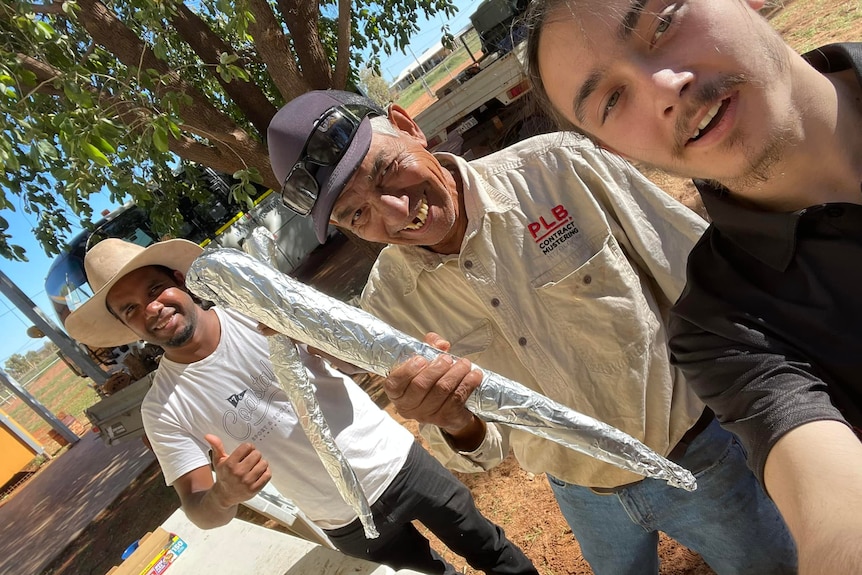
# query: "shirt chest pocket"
[[598, 309], [473, 339]]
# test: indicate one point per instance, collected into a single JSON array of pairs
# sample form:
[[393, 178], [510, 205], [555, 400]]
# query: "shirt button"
[[468, 264], [495, 302], [834, 211], [588, 279], [522, 341]]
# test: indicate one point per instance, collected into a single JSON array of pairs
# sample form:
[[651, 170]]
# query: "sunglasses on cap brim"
[[332, 134]]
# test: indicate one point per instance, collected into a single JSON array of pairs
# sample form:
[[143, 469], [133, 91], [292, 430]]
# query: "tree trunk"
[[342, 61], [302, 18], [274, 49]]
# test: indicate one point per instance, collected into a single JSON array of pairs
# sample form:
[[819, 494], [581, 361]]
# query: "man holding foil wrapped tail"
[[215, 391], [553, 264]]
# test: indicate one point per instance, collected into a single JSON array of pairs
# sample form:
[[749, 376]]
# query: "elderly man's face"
[[402, 195], [698, 87]]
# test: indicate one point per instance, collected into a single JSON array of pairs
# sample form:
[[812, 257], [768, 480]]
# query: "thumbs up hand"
[[239, 475]]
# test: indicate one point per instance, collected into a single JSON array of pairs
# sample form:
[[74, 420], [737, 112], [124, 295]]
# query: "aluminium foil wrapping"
[[237, 280], [291, 374]]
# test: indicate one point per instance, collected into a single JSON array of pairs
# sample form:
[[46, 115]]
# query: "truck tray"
[[118, 416]]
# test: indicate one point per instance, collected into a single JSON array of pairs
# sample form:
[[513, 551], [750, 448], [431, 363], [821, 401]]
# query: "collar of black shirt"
[[768, 236]]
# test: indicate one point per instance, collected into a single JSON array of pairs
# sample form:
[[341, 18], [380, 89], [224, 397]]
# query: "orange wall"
[[16, 453]]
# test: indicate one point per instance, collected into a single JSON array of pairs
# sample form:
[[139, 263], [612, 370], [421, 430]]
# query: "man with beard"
[[215, 390], [553, 266], [767, 329]]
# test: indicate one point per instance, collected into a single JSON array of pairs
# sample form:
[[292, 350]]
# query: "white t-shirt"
[[233, 394]]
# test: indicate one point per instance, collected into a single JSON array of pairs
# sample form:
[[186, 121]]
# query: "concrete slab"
[[241, 548], [49, 512]]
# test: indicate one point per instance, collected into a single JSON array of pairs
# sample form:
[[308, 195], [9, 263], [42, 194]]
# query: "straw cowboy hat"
[[105, 264]]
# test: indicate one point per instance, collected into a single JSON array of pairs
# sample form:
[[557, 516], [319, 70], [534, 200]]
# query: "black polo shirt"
[[769, 327]]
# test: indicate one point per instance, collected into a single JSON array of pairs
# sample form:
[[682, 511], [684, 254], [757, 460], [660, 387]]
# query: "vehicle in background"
[[218, 222], [485, 108], [494, 22]]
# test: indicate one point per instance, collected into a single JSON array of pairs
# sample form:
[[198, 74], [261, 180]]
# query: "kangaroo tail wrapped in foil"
[[291, 375], [236, 280]]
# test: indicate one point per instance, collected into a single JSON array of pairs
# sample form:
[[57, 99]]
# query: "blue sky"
[[428, 35], [30, 276]]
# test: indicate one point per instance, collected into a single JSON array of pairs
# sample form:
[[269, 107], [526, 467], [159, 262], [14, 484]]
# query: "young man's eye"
[[612, 101], [664, 20], [663, 24]]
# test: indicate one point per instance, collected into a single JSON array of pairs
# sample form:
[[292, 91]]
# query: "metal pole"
[[422, 71], [66, 344], [466, 47], [36, 406]]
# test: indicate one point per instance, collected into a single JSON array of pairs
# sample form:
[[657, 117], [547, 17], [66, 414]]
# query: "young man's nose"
[[154, 308], [668, 88]]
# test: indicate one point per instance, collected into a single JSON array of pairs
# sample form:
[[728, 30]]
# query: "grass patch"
[[58, 391], [458, 56]]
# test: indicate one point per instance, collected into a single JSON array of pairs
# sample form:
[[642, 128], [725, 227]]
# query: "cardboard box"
[[155, 553]]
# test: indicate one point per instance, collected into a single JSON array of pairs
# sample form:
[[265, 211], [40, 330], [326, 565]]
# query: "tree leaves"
[[121, 114], [96, 154]]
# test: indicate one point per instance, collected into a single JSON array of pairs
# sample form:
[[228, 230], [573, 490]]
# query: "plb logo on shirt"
[[552, 230]]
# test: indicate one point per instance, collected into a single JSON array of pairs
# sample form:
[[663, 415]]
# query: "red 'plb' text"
[[550, 234], [540, 229]]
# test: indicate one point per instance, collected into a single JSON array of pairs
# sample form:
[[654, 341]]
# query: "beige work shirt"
[[568, 268]]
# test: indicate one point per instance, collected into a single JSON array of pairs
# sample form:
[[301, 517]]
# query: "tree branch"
[[225, 154], [208, 45], [302, 18], [52, 8], [342, 60], [104, 27], [274, 49]]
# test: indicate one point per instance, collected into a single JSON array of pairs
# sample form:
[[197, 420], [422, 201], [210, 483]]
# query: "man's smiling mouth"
[[163, 321], [422, 215], [710, 120]]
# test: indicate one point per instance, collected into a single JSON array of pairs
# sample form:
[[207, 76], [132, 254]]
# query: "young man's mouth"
[[163, 322], [421, 215], [710, 120]]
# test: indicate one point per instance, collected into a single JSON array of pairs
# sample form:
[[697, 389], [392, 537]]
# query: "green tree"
[[17, 365], [118, 93], [32, 358], [374, 86]]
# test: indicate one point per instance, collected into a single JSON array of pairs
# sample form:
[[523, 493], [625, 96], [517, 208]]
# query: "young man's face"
[[154, 305], [402, 195], [697, 87]]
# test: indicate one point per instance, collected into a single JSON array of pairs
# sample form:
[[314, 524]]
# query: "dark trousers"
[[427, 492]]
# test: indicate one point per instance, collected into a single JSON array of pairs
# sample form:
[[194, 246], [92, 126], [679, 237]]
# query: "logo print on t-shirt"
[[236, 398], [251, 408], [552, 231]]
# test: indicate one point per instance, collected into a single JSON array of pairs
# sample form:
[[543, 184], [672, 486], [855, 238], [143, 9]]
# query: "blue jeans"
[[427, 492], [729, 519]]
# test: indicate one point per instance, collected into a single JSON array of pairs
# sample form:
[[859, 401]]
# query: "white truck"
[[117, 417], [484, 109]]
